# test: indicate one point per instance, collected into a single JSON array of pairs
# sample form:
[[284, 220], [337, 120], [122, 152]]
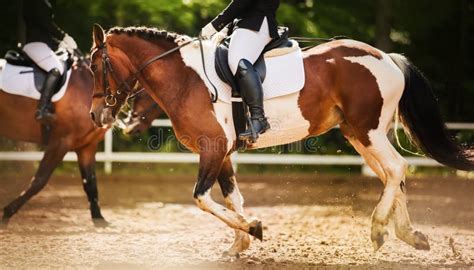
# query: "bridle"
[[109, 97]]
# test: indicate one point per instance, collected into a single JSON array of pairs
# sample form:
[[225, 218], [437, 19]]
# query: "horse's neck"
[[166, 78]]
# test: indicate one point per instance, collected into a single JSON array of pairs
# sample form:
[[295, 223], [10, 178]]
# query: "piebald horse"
[[73, 130], [348, 83]]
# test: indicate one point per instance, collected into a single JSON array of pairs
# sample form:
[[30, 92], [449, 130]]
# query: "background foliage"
[[437, 35]]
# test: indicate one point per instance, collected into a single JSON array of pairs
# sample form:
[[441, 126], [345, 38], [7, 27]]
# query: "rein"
[[111, 99], [316, 40]]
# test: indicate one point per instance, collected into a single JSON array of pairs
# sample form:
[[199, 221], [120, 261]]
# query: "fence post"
[[108, 143]]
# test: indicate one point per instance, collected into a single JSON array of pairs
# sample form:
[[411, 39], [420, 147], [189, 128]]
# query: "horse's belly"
[[287, 124]]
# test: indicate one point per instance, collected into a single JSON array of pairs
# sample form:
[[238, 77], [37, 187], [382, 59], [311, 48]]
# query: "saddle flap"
[[222, 68], [224, 72]]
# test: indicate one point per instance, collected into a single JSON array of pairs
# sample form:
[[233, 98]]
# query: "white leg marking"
[[235, 202], [231, 218]]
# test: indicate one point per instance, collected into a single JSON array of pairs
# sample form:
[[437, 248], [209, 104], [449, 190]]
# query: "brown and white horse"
[[348, 83]]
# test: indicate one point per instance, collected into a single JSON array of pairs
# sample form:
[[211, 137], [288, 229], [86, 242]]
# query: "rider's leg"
[[252, 92], [244, 49], [46, 59]]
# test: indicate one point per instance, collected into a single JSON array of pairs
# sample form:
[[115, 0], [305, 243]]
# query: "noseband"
[[111, 98]]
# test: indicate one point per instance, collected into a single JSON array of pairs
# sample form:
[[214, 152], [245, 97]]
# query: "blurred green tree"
[[437, 35]]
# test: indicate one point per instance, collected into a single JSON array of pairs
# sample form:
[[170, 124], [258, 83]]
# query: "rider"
[[43, 37], [257, 26]]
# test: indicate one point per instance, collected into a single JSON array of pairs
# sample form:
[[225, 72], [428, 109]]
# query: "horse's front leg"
[[234, 201], [86, 160], [209, 168]]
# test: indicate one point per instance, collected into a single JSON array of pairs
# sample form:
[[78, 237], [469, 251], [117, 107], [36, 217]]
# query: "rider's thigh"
[[43, 56], [247, 44]]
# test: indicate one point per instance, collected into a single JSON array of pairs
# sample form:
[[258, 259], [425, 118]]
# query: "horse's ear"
[[98, 35]]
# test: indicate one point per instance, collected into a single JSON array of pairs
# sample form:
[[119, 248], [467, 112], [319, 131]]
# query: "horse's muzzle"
[[103, 118]]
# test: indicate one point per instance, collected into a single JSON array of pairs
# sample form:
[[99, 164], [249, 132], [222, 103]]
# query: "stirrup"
[[45, 117], [251, 135]]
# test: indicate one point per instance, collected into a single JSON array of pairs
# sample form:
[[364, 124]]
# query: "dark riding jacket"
[[39, 24], [251, 14]]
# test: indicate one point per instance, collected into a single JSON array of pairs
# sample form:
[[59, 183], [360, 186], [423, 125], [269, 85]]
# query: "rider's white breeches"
[[247, 44], [43, 56]]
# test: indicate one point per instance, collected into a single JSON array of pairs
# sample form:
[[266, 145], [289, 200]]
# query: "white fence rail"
[[108, 156]]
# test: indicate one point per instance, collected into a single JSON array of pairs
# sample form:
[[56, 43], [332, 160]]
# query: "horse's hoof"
[[421, 241], [100, 223], [256, 229], [5, 219], [231, 254], [4, 223], [378, 237]]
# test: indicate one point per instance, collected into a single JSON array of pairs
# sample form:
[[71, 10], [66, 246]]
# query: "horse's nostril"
[[93, 116]]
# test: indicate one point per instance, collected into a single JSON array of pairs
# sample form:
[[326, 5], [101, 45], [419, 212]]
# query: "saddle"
[[277, 47], [19, 58], [222, 60]]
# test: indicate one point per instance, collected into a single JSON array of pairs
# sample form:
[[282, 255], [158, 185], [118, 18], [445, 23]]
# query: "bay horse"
[[348, 83], [72, 130]]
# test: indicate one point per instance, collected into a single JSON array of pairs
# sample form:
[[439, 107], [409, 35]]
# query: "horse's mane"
[[147, 33]]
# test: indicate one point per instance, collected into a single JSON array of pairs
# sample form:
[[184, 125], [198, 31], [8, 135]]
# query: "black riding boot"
[[44, 113], [251, 90]]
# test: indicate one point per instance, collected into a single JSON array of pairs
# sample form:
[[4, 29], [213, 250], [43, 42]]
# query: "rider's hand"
[[208, 31], [68, 43]]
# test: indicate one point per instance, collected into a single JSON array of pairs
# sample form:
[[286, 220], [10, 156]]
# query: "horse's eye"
[[93, 67]]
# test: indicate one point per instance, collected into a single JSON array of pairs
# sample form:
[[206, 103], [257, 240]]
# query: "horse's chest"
[[285, 118]]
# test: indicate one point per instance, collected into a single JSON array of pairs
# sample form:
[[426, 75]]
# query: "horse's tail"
[[419, 113]]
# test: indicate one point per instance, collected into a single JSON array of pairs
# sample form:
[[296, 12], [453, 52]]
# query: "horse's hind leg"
[[86, 160], [403, 228], [234, 201], [390, 172], [52, 157], [364, 152]]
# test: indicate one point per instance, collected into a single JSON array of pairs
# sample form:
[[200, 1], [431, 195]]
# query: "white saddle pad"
[[19, 80], [285, 73]]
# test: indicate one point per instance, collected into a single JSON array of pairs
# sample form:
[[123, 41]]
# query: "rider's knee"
[[242, 66]]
